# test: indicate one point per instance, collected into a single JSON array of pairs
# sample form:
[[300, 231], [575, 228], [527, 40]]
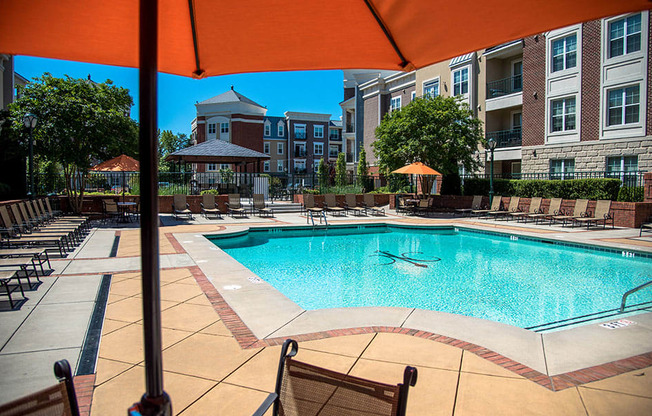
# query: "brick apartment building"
[[308, 140], [569, 100]]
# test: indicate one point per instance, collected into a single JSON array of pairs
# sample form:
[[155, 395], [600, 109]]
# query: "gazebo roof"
[[122, 163], [216, 151]]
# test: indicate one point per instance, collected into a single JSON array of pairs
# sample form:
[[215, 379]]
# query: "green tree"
[[79, 122], [168, 143], [340, 170], [363, 170], [441, 132], [322, 174]]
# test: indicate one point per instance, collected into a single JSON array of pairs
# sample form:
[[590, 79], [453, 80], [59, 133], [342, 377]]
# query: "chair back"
[[259, 201], [495, 204], [535, 205], [477, 202], [22, 222], [6, 219], [110, 206], [555, 205], [350, 200], [41, 207], [234, 201], [47, 204], [179, 202], [30, 210], [581, 206], [208, 200], [308, 200], [424, 203], [369, 200], [602, 208], [330, 200], [513, 204]]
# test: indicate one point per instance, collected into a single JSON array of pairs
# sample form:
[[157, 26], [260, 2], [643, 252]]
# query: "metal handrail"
[[629, 292]]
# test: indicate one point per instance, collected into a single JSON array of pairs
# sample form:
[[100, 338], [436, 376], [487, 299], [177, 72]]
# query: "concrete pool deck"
[[219, 344]]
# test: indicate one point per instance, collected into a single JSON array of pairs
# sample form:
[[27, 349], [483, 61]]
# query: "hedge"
[[567, 189], [631, 194]]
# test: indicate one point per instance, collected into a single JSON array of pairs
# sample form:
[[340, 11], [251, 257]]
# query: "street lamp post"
[[29, 120], [492, 147]]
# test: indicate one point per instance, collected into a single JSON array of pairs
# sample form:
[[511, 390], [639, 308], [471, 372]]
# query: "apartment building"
[[308, 140], [275, 141], [335, 142]]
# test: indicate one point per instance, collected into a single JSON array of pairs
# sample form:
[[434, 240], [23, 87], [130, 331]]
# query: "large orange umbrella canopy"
[[262, 35], [417, 168], [122, 163]]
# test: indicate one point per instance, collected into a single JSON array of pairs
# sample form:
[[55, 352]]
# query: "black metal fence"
[[504, 86], [629, 179]]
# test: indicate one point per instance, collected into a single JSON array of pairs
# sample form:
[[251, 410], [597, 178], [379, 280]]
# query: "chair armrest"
[[187, 205], [271, 398], [201, 204]]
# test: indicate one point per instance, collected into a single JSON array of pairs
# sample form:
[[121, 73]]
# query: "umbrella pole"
[[155, 401]]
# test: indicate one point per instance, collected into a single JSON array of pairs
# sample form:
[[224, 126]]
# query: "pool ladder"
[[629, 292], [311, 217]]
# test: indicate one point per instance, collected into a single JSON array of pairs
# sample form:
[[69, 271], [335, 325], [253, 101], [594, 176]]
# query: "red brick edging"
[[84, 386], [247, 339]]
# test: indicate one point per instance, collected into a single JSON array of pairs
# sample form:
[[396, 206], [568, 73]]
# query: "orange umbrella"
[[417, 168]]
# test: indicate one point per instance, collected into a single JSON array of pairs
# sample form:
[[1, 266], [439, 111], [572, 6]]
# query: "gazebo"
[[220, 151]]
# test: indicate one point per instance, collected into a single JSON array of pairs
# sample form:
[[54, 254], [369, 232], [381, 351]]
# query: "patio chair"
[[579, 211], [423, 207], [180, 207], [55, 212], [512, 208], [15, 232], [369, 202], [59, 399], [209, 206], [554, 208], [37, 255], [6, 276], [534, 208], [305, 389], [601, 214], [110, 210], [475, 205], [646, 226], [235, 206], [495, 206], [330, 205], [260, 207], [401, 205], [350, 204]]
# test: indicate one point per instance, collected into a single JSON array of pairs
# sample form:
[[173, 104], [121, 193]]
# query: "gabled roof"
[[218, 151], [231, 96], [122, 163]]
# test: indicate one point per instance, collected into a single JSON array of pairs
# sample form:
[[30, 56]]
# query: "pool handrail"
[[629, 292]]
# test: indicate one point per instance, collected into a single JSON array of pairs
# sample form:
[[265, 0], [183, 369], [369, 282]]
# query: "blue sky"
[[308, 91]]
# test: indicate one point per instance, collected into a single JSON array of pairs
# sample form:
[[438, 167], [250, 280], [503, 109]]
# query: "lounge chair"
[[533, 209], [59, 399], [6, 277], [512, 208], [330, 205], [554, 208], [180, 207], [401, 205], [41, 222], [475, 205], [578, 212], [235, 207], [423, 207], [601, 214], [371, 206], [350, 204], [14, 233], [37, 255], [303, 389], [646, 226], [21, 266], [495, 206], [310, 207], [209, 206], [259, 207]]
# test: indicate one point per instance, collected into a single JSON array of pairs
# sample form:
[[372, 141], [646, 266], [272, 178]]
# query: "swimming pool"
[[504, 278]]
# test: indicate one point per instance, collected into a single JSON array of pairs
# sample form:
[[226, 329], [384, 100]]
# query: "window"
[[268, 130], [625, 36], [300, 150], [562, 115], [623, 168], [279, 148], [315, 166], [517, 76], [333, 151], [318, 132], [211, 128], [395, 103], [266, 148], [225, 166], [224, 128], [279, 166], [461, 81], [623, 106], [562, 168], [564, 53], [431, 88], [413, 95], [517, 120], [300, 166], [333, 134], [318, 148], [266, 166], [211, 167], [281, 130], [300, 131]]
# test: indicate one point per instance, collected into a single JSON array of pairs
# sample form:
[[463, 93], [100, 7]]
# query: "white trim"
[[469, 80], [246, 120], [314, 148], [266, 166], [314, 131], [281, 146]]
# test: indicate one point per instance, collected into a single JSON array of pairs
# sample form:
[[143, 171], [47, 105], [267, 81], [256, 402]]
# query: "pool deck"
[[222, 326]]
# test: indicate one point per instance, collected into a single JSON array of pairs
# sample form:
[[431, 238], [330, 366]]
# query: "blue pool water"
[[491, 276]]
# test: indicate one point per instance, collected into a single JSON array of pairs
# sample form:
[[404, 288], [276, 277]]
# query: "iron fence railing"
[[506, 138], [335, 137], [504, 86], [629, 179]]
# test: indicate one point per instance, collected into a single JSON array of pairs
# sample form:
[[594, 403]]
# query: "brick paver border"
[[84, 386]]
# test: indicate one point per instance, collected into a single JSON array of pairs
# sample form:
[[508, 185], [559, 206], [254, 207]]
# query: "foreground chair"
[[646, 226], [512, 208], [209, 206], [259, 207], [475, 205], [350, 204], [534, 209], [235, 206], [180, 207], [495, 206], [305, 389], [601, 214], [579, 211], [59, 399], [370, 205]]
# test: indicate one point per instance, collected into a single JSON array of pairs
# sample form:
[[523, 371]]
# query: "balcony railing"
[[334, 137], [350, 127], [350, 158], [504, 86], [506, 138], [300, 135], [633, 178], [333, 154]]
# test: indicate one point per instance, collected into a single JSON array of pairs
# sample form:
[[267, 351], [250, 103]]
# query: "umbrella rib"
[[404, 63], [198, 73]]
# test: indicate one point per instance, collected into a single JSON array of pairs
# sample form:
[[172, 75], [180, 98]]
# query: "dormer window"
[[281, 130], [268, 129]]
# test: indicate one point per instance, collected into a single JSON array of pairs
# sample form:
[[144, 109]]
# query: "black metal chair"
[[304, 389]]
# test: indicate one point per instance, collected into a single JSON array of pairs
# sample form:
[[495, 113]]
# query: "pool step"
[[645, 306]]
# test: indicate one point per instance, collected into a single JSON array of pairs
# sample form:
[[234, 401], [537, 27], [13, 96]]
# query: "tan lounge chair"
[[554, 208], [513, 207], [235, 206], [475, 205], [579, 211], [601, 214], [533, 209], [495, 206], [330, 205], [371, 206], [209, 206], [180, 207], [646, 226], [260, 207], [350, 204]]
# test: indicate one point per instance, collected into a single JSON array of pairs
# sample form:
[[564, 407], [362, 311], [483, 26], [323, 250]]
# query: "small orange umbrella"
[[417, 168]]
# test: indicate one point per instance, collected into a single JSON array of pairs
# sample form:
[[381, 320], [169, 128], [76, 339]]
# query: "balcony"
[[350, 127], [504, 86], [506, 138], [333, 154], [298, 135], [350, 158], [334, 137], [299, 153]]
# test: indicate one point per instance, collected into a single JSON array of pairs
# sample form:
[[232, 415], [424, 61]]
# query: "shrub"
[[631, 194], [567, 189], [210, 192]]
